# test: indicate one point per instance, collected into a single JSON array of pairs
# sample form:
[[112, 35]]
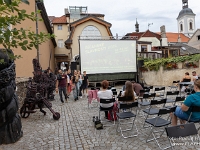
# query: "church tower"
[[186, 20], [136, 26]]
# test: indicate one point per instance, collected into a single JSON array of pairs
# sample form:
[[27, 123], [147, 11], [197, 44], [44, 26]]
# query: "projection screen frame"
[[107, 39]]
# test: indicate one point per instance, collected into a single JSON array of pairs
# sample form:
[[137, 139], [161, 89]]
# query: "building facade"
[[186, 20], [195, 40], [75, 25], [24, 66]]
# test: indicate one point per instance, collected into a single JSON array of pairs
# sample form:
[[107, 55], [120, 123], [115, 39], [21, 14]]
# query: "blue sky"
[[122, 14]]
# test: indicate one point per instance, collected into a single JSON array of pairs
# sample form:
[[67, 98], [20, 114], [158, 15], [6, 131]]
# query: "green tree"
[[10, 14]]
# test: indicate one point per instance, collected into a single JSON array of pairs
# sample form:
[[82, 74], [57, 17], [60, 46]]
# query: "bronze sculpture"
[[10, 121], [39, 89]]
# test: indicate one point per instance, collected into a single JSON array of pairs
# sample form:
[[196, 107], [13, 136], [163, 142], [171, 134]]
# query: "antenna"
[[149, 24]]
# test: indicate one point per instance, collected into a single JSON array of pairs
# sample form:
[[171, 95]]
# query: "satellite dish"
[[183, 48]]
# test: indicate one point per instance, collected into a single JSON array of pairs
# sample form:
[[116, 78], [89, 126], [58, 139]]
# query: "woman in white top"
[[105, 94]]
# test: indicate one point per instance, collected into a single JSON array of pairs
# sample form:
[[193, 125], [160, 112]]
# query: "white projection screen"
[[108, 56]]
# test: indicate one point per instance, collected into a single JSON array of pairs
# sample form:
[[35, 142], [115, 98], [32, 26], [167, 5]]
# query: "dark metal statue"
[[38, 90], [10, 122]]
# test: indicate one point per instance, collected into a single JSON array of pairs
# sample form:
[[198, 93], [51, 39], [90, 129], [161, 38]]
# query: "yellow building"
[[24, 66], [74, 24]]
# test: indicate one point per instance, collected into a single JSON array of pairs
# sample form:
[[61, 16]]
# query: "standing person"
[[194, 75], [61, 85], [80, 81], [85, 82], [69, 85], [76, 83]]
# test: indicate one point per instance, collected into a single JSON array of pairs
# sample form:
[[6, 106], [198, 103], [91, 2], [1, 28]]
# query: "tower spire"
[[136, 26], [185, 4]]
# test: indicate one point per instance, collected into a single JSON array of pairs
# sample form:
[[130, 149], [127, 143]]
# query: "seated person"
[[129, 91], [183, 112], [186, 78], [194, 75], [105, 94], [137, 87]]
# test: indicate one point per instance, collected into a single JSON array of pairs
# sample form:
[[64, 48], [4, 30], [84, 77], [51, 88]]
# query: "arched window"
[[191, 26], [181, 27], [90, 32]]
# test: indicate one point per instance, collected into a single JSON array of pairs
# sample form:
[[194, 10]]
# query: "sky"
[[122, 14]]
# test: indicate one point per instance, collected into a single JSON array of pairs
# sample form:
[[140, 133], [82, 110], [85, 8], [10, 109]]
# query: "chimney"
[[163, 32], [179, 38], [66, 11]]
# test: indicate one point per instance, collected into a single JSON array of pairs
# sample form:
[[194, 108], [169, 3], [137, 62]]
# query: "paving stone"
[[75, 130]]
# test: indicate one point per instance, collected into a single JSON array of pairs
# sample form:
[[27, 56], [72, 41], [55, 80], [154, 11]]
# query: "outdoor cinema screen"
[[108, 56]]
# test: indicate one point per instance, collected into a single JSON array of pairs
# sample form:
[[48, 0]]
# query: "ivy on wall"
[[155, 64]]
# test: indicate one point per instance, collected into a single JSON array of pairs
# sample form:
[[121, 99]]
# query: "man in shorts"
[[85, 82]]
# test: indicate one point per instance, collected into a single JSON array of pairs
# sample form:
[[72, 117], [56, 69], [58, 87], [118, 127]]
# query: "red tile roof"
[[173, 37], [61, 19], [144, 34], [51, 18], [151, 34], [138, 34]]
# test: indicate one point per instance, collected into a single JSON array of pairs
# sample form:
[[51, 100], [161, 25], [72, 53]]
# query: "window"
[[181, 27], [191, 28], [143, 48], [59, 27], [60, 43], [198, 37], [90, 32]]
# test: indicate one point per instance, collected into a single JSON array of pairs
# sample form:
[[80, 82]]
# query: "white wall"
[[154, 40]]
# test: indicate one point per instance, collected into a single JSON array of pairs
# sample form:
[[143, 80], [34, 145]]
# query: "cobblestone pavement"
[[75, 131]]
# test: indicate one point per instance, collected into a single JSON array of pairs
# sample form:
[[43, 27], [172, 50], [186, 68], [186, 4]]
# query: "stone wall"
[[21, 89], [166, 77]]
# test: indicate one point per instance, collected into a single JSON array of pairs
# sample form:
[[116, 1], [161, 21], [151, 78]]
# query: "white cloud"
[[122, 14]]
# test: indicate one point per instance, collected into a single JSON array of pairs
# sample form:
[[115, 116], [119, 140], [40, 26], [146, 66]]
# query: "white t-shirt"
[[105, 94], [195, 77]]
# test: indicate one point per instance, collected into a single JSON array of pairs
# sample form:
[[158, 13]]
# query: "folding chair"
[[125, 99], [179, 99], [158, 122], [160, 91], [92, 95], [145, 101], [148, 87], [171, 93], [174, 85], [125, 116], [112, 89], [106, 101], [182, 131], [152, 110], [193, 110], [147, 97], [142, 92]]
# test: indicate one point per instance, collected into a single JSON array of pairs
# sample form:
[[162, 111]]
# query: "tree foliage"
[[25, 38]]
